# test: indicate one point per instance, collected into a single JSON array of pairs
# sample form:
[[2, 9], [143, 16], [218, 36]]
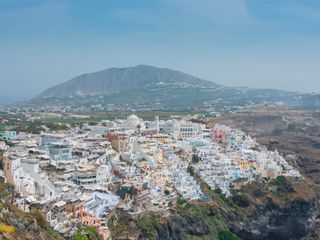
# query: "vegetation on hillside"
[[26, 225]]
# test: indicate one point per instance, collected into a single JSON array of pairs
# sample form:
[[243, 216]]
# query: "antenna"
[[156, 119]]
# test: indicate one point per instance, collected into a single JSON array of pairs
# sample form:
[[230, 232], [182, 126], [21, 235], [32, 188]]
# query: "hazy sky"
[[256, 43]]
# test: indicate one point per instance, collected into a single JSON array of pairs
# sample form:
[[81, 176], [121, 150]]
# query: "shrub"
[[278, 181], [218, 191], [40, 220], [241, 200], [126, 190], [181, 201], [195, 158], [86, 233], [226, 235]]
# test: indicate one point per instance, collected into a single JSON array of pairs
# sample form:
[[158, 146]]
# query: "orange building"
[[118, 140], [11, 168], [86, 218], [244, 164], [91, 221]]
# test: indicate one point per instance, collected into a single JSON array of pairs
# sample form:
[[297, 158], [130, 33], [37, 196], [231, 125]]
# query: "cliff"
[[276, 209]]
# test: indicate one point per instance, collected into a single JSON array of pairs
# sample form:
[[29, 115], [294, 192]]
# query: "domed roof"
[[133, 122], [133, 117]]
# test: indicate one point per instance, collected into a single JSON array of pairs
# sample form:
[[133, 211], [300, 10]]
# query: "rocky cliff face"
[[178, 227], [269, 210], [292, 222], [284, 210]]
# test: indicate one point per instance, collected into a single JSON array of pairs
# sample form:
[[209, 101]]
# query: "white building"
[[97, 176], [185, 129], [100, 203], [35, 182]]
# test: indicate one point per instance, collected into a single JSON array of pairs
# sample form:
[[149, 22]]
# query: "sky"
[[253, 43]]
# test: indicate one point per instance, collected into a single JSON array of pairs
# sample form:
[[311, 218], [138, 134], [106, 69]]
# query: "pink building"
[[218, 134], [91, 221]]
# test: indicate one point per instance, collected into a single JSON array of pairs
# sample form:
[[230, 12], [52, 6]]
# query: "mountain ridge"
[[147, 87], [119, 79]]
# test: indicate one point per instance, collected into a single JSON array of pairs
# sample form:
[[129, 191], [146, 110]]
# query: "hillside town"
[[81, 175]]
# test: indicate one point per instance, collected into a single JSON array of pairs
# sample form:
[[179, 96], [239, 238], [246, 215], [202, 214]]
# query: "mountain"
[[122, 79], [150, 88]]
